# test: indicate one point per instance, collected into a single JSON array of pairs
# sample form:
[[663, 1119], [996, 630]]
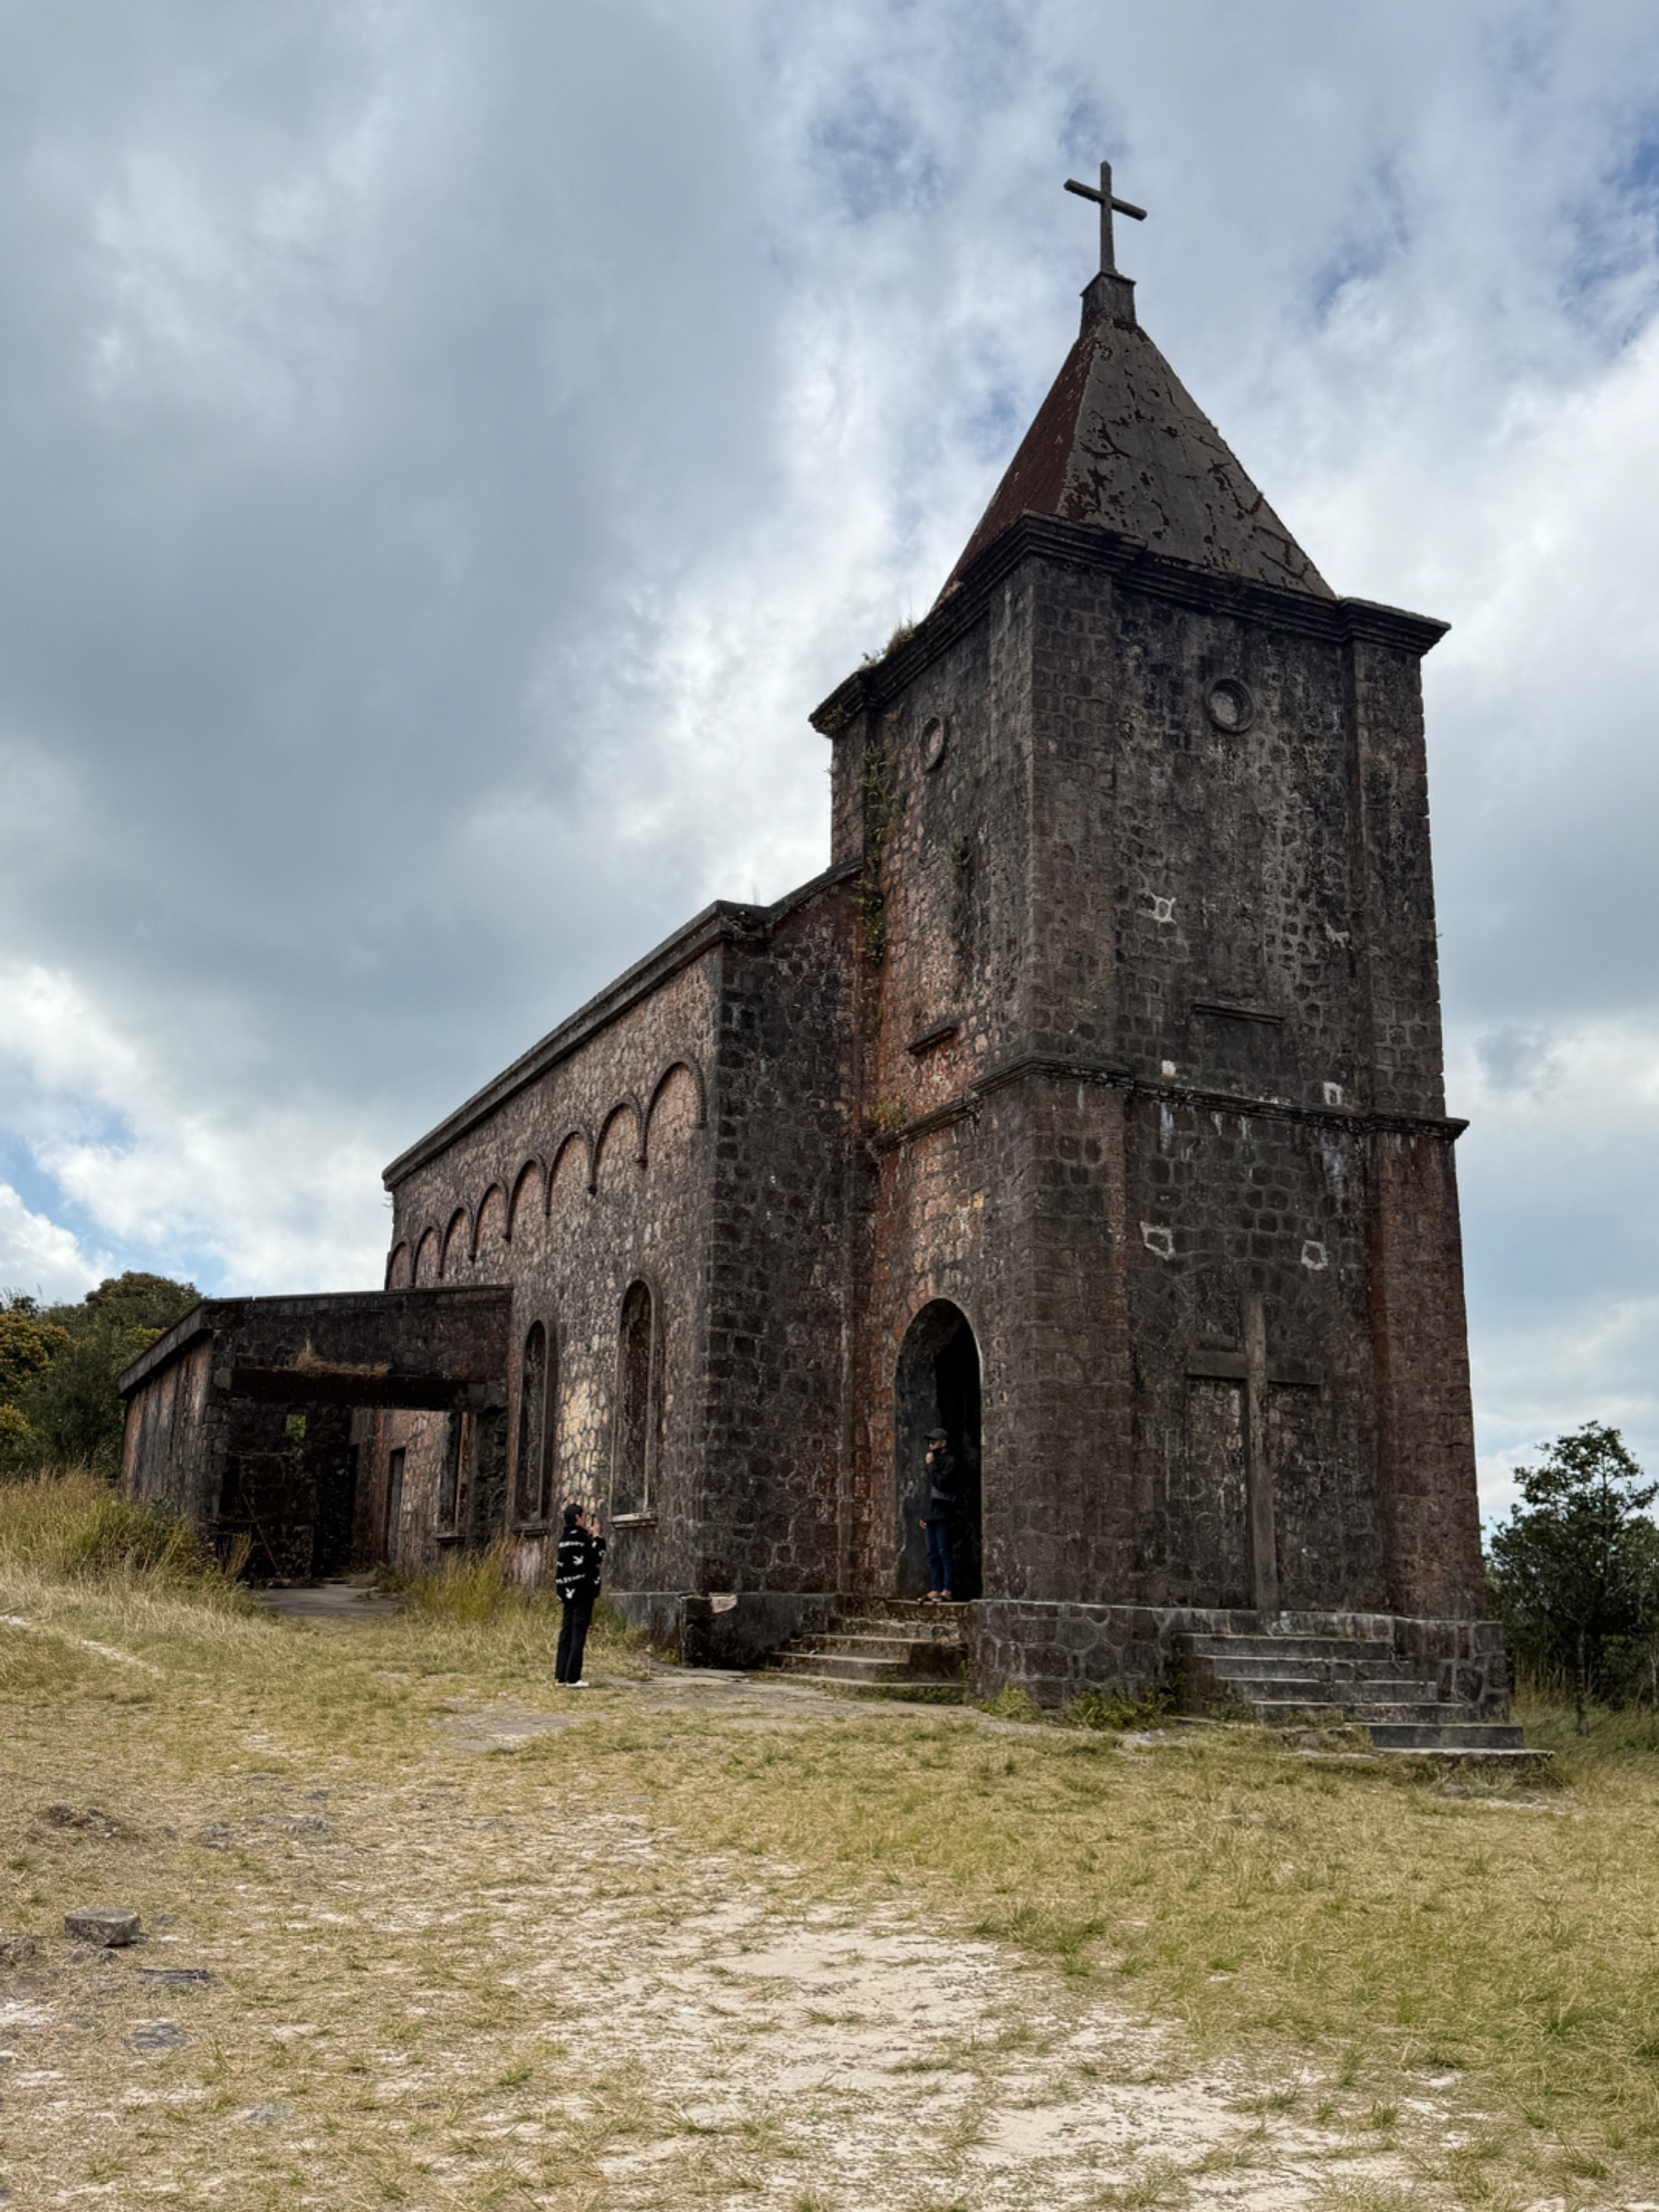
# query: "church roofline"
[[720, 923], [1160, 575]]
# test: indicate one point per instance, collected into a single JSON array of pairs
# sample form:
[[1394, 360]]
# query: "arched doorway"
[[937, 1387]]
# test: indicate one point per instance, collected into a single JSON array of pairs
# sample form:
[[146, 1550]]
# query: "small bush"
[[70, 1523], [1011, 1702], [58, 1367], [1114, 1709], [468, 1586], [117, 1537]]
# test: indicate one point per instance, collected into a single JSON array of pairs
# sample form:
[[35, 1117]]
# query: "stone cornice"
[[1057, 1067], [1137, 568], [722, 923]]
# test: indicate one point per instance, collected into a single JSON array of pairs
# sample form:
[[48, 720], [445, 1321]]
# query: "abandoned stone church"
[[1089, 1105]]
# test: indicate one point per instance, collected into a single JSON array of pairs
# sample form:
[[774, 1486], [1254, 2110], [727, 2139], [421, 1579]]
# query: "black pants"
[[573, 1636]]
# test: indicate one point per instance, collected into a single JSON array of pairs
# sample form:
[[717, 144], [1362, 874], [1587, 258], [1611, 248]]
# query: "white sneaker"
[[583, 1684]]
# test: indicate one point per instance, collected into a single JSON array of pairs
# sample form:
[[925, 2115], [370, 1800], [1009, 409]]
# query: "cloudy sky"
[[450, 445]]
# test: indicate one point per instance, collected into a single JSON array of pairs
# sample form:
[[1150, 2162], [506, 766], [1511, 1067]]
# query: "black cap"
[[938, 1435], [572, 1515]]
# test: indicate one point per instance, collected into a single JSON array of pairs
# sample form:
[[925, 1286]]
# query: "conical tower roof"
[[1119, 442]]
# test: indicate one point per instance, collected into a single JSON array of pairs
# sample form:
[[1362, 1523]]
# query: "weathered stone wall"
[[589, 1177], [1223, 1203], [1150, 1074], [1054, 1652], [245, 1417], [693, 1140], [1425, 1423], [409, 1538], [779, 1327], [173, 1451]]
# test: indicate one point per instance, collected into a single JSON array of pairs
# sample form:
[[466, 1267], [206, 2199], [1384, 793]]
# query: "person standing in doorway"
[[938, 1477], [577, 1566]]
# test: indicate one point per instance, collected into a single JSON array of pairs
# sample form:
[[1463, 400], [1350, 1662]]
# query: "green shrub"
[[1573, 1574], [117, 1537], [58, 1366], [467, 1586], [1011, 1702], [68, 1523], [1116, 1709]]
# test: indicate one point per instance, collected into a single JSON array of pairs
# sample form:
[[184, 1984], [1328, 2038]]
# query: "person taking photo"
[[577, 1566]]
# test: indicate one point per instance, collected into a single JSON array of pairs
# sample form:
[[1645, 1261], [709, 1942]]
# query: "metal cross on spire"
[[1108, 260]]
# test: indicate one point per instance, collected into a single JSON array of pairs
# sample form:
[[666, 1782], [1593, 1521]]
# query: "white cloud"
[[39, 1258], [1563, 1296], [449, 450], [281, 1197]]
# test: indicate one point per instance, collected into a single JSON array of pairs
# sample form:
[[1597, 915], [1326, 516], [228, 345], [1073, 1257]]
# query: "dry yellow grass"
[[478, 1942]]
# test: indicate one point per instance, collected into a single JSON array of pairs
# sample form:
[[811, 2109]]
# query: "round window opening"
[[1228, 705], [934, 740]]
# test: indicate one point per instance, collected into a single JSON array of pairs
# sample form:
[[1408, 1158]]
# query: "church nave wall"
[[591, 1179]]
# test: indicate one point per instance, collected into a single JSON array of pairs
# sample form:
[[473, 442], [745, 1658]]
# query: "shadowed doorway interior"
[[937, 1387]]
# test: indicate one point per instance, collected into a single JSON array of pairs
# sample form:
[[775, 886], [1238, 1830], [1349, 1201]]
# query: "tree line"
[[58, 1365]]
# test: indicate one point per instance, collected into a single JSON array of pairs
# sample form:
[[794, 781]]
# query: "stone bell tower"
[[1148, 1054]]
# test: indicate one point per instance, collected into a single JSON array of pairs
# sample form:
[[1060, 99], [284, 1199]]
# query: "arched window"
[[535, 1395], [638, 1419]]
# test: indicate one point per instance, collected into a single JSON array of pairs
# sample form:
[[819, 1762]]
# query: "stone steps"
[[1422, 1712], [1447, 1735], [909, 1649], [903, 1649], [1265, 1645], [916, 1689], [930, 1663], [1298, 1664], [1291, 1682], [872, 1641]]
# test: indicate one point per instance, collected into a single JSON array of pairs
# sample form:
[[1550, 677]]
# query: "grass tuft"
[[1011, 1702], [467, 1587], [68, 1522], [1111, 1708]]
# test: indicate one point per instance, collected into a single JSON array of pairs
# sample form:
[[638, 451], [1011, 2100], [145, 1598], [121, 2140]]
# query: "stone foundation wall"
[[1465, 1658], [736, 1629], [1054, 1652]]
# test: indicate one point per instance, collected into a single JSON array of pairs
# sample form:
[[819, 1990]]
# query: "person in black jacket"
[[939, 1479], [577, 1566]]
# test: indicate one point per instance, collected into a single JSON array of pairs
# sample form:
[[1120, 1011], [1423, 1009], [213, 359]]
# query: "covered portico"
[[241, 1418]]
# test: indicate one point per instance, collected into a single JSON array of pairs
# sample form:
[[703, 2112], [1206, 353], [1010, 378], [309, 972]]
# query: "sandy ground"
[[443, 1991]]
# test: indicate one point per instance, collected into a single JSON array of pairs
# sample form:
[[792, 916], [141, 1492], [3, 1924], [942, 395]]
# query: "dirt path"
[[349, 1602], [458, 1989]]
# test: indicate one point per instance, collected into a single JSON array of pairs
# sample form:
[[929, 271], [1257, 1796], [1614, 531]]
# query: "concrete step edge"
[[855, 1670], [1467, 1735], [1263, 1646], [917, 1689], [895, 1634], [1467, 1754]]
